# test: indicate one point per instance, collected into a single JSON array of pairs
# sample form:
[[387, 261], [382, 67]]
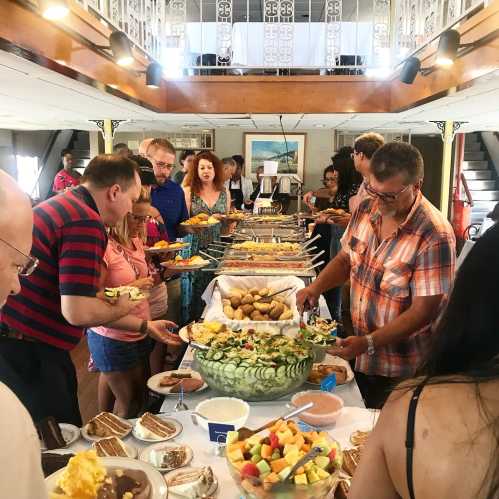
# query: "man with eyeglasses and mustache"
[[399, 254], [168, 198]]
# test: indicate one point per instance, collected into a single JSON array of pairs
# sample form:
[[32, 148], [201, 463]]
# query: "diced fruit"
[[305, 447], [299, 441], [293, 426], [240, 464], [301, 479], [274, 440], [266, 451], [308, 466], [300, 470], [284, 435], [278, 465], [322, 474], [256, 458], [272, 478], [263, 466], [284, 473], [250, 469], [252, 441], [322, 462], [256, 450], [275, 455], [312, 476], [232, 436], [292, 457], [236, 455], [290, 448]]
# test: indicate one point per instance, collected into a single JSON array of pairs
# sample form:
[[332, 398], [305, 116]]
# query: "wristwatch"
[[370, 344]]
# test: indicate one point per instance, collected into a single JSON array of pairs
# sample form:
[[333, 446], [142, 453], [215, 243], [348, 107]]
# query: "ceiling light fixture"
[[448, 45], [120, 46], [154, 75], [54, 10], [411, 68]]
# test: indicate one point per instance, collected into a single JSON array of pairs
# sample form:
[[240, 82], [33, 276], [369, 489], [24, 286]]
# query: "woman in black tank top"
[[449, 415]]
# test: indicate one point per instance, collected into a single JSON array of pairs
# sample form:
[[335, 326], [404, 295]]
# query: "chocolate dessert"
[[151, 426], [106, 424], [119, 483], [53, 462], [111, 446], [50, 433]]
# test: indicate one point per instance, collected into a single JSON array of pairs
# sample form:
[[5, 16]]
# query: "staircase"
[[80, 145], [481, 176]]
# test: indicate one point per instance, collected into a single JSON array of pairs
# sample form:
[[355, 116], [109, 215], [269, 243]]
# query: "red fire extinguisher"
[[461, 208]]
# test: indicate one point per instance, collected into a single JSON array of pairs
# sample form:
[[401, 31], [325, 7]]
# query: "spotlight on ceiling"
[[448, 46], [54, 9], [154, 75], [120, 46], [410, 69]]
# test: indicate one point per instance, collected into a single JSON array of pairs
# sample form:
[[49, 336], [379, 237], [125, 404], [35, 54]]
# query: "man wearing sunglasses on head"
[[399, 253]]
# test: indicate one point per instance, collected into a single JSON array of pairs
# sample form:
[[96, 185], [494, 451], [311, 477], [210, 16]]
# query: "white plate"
[[184, 268], [153, 382], [184, 334], [70, 433], [172, 474], [334, 360], [199, 226], [131, 451], [167, 249], [91, 438], [159, 489], [145, 454], [174, 422]]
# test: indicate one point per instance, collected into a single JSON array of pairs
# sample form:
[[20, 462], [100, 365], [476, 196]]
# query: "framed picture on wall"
[[260, 147]]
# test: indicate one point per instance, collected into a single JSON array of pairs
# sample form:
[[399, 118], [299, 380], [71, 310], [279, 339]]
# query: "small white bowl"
[[319, 417], [221, 405]]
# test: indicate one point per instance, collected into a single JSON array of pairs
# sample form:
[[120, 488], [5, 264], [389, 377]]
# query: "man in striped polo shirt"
[[56, 302]]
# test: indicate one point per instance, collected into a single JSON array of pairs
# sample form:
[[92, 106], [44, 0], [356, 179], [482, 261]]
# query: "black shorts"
[[43, 378]]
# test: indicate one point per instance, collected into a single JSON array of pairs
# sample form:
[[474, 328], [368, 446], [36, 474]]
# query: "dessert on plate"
[[190, 482], [151, 427], [110, 446], [106, 424]]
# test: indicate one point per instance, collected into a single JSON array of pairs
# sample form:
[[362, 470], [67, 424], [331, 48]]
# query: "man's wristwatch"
[[370, 344], [143, 327]]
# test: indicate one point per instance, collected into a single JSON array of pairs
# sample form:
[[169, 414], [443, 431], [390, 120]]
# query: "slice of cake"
[[171, 458], [50, 433], [192, 482], [152, 427], [106, 424], [111, 446]]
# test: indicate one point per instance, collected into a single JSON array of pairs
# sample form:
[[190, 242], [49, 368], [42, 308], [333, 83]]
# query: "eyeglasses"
[[140, 218], [30, 265], [161, 165], [385, 196]]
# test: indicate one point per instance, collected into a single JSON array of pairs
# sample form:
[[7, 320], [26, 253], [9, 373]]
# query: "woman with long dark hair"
[[448, 416]]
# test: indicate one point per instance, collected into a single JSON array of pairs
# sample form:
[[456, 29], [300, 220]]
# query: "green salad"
[[321, 333]]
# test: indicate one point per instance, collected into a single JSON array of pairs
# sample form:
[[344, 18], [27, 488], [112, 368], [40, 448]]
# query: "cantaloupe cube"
[[236, 446], [272, 478], [266, 451], [299, 441], [305, 447], [278, 465]]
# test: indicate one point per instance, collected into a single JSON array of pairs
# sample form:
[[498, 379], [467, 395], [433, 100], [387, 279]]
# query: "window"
[[28, 171]]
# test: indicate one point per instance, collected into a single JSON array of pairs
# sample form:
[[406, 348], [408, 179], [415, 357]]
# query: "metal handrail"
[[467, 190]]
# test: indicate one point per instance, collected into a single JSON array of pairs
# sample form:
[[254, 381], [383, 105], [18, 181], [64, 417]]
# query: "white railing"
[[235, 36]]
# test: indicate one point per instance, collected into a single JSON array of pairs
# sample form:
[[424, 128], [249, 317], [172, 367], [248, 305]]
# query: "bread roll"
[[229, 311], [247, 299]]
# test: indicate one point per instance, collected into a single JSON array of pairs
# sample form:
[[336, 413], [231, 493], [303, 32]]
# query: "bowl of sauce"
[[227, 410], [325, 411]]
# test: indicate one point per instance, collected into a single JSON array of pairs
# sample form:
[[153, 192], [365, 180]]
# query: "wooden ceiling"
[[67, 47]]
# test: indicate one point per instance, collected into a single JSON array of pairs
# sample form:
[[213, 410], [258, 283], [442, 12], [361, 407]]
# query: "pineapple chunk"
[[232, 436], [312, 476], [236, 455], [301, 479], [322, 474]]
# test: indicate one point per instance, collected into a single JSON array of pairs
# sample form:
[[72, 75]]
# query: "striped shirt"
[[69, 239], [416, 260]]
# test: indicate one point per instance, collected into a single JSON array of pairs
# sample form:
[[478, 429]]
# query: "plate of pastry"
[[171, 382], [105, 425], [155, 428], [191, 482], [88, 475], [167, 456]]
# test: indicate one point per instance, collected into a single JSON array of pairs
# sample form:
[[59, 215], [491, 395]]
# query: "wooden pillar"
[[108, 136]]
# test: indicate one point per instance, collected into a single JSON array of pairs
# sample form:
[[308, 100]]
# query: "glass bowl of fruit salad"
[[260, 465]]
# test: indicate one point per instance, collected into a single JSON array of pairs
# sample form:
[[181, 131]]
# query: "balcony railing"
[[280, 36]]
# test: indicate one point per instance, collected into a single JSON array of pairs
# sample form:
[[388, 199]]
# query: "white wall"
[[228, 141]]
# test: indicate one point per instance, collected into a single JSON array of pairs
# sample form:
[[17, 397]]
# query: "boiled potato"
[[253, 291], [239, 314], [229, 311], [235, 300], [277, 311], [247, 299], [262, 307], [237, 291], [247, 309], [286, 315], [255, 315]]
